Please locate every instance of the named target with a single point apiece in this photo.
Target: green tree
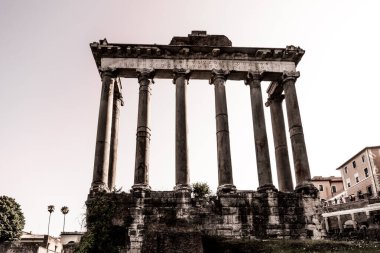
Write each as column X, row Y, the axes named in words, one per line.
column 12, row 219
column 201, row 190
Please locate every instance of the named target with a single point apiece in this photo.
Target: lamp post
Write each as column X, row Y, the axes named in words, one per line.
column 64, row 210
column 50, row 210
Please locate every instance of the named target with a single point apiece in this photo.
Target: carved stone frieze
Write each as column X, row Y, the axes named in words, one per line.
column 197, row 46
column 196, row 52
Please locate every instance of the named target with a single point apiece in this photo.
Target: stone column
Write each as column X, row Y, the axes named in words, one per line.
column 340, row 225
column 103, row 137
column 143, row 131
column 284, row 174
column 225, row 179
column 261, row 141
column 117, row 102
column 301, row 163
column 354, row 223
column 182, row 181
column 327, row 224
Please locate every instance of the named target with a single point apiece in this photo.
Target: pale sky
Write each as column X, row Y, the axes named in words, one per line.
column 50, row 91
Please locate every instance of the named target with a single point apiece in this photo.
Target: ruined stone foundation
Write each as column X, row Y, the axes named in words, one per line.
column 173, row 221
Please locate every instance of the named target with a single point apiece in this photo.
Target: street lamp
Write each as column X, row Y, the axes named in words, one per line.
column 50, row 210
column 64, row 210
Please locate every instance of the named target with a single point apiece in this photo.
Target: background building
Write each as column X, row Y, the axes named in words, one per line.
column 361, row 173
column 328, row 187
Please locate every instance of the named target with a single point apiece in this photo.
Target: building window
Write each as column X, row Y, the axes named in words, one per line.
column 333, row 189
column 348, row 182
column 354, row 164
column 356, row 175
column 366, row 172
column 363, row 158
column 369, row 190
column 321, row 188
column 345, row 169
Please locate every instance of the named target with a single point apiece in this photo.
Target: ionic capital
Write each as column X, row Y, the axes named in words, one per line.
column 180, row 73
column 112, row 73
column 145, row 74
column 290, row 75
column 218, row 74
column 254, row 78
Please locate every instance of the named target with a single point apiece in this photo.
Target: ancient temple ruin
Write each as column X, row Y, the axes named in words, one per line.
column 289, row 212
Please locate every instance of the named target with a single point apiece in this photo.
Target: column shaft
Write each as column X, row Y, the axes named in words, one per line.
column 261, row 141
column 327, row 227
column 181, row 157
column 301, row 163
column 340, row 225
column 143, row 132
column 284, row 174
column 117, row 102
column 103, row 137
column 222, row 133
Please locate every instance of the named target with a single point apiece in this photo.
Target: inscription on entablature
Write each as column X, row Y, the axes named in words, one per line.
column 197, row 64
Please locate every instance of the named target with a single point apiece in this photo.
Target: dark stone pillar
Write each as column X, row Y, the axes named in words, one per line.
column 261, row 141
column 117, row 102
column 284, row 174
column 181, row 163
column 301, row 163
column 222, row 132
column 143, row 132
column 103, row 137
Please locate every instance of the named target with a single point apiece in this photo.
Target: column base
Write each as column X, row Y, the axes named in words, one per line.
column 267, row 187
column 306, row 188
column 183, row 187
column 226, row 188
column 98, row 188
column 140, row 189
column 183, row 195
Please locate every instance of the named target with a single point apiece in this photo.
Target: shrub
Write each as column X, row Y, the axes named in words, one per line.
column 201, row 190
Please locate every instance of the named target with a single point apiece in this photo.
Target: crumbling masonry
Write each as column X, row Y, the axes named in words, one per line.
column 154, row 216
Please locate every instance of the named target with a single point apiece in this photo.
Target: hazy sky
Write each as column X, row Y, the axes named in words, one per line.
column 50, row 91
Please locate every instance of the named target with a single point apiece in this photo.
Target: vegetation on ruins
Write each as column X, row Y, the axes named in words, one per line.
column 12, row 219
column 201, row 189
column 102, row 234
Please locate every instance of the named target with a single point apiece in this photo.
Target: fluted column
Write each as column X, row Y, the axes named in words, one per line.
column 284, row 174
column 260, row 133
column 117, row 102
column 143, row 131
column 182, row 181
column 301, row 163
column 222, row 132
column 103, row 137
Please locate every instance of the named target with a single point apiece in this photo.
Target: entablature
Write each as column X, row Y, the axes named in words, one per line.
column 199, row 59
